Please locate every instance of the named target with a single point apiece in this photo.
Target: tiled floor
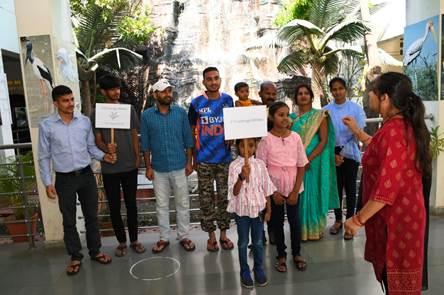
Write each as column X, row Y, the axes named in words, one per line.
column 335, row 267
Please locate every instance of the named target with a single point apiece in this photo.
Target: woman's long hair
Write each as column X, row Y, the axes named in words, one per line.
column 399, row 89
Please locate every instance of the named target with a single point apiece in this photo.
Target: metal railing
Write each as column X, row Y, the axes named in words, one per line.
column 25, row 197
column 19, row 204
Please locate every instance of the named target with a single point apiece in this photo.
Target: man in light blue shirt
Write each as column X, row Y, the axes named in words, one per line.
column 348, row 153
column 66, row 139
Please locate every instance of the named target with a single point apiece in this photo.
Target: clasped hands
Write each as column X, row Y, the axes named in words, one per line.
column 111, row 155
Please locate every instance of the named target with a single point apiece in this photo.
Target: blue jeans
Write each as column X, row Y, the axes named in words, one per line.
column 244, row 224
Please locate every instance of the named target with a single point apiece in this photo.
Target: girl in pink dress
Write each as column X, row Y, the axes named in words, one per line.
column 284, row 154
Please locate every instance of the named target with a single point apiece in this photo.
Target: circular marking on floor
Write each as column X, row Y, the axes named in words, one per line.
column 154, row 268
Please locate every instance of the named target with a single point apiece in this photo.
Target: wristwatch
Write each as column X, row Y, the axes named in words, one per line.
column 241, row 177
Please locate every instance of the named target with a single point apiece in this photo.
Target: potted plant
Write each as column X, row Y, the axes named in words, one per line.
column 17, row 187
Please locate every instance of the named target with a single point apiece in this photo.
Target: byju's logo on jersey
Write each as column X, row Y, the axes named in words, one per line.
column 211, row 120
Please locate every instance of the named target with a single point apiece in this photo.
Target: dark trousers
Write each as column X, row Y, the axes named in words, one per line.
column 346, row 175
column 112, row 183
column 245, row 225
column 277, row 226
column 68, row 187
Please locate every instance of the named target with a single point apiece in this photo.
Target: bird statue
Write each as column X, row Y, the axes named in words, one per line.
column 40, row 71
column 415, row 48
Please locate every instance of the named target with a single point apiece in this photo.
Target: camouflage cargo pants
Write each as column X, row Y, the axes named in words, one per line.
column 213, row 207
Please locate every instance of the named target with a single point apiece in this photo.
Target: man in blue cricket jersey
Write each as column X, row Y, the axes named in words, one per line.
column 212, row 157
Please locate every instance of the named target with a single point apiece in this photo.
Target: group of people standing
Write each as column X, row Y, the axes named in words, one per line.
column 300, row 168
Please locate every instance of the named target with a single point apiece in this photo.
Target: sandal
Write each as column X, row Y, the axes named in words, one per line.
column 160, row 246
column 335, row 228
column 300, row 263
column 73, row 268
column 348, row 236
column 102, row 258
column 226, row 244
column 137, row 247
column 188, row 245
column 212, row 246
column 281, row 266
column 121, row 250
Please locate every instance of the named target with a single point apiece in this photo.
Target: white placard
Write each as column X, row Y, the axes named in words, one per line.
column 245, row 122
column 113, row 115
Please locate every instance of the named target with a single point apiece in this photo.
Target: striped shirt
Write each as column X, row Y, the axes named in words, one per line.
column 251, row 199
column 166, row 136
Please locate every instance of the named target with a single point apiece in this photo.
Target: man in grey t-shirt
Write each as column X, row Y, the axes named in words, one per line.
column 123, row 172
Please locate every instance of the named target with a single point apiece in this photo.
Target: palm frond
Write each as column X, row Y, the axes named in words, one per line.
column 331, row 64
column 324, row 13
column 297, row 28
column 96, row 29
column 269, row 40
column 294, row 62
column 346, row 52
column 346, row 31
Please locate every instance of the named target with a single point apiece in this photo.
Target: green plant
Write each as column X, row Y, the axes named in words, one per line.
column 11, row 182
column 436, row 142
column 316, row 37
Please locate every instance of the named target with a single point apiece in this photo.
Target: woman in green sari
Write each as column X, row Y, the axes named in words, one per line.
column 320, row 192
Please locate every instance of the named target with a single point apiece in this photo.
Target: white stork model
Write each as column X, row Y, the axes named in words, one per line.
column 40, row 71
column 415, row 48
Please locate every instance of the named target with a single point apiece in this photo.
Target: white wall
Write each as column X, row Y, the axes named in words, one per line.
column 418, row 10
column 8, row 28
column 46, row 17
column 8, row 41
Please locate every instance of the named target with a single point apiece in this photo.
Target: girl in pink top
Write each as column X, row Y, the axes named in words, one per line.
column 248, row 189
column 284, row 154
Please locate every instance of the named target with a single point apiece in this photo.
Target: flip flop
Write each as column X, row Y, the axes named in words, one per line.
column 73, row 269
column 281, row 266
column 138, row 247
column 300, row 263
column 348, row 236
column 212, row 246
column 121, row 250
column 102, row 258
column 226, row 244
column 160, row 246
column 334, row 229
column 188, row 245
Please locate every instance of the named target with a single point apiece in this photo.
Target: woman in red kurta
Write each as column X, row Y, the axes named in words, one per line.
column 396, row 159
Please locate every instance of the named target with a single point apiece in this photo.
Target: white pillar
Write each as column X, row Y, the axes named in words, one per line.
column 47, row 25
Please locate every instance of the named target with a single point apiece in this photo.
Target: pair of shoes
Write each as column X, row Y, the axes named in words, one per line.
column 260, row 278
column 246, row 280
